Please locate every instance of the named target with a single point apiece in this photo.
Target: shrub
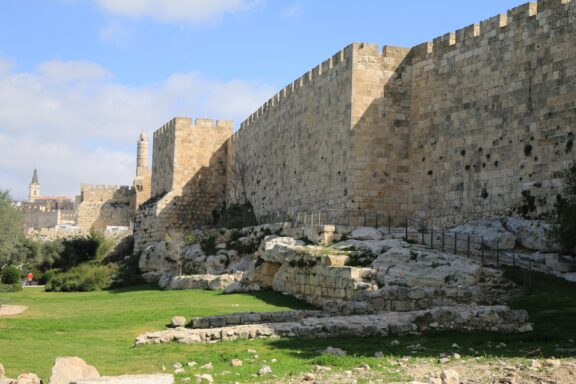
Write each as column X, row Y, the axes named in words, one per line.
column 76, row 251
column 8, row 288
column 237, row 216
column 46, row 277
column 361, row 258
column 104, row 245
column 208, row 245
column 83, row 278
column 11, row 275
column 128, row 273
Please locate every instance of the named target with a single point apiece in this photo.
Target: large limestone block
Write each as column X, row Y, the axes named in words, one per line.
column 130, row 379
column 366, row 233
column 276, row 249
column 571, row 277
column 28, row 378
column 375, row 246
column 69, row 369
column 557, row 263
column 533, row 234
column 491, row 230
column 405, row 267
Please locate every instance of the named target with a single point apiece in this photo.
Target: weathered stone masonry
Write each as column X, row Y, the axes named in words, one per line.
column 100, row 206
column 478, row 120
column 188, row 178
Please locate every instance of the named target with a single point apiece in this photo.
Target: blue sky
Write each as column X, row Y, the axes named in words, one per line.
column 80, row 78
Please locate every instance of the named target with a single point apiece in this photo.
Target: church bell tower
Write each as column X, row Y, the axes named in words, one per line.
column 34, row 188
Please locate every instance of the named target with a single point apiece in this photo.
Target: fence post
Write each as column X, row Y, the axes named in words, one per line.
column 514, row 256
column 468, row 246
column 431, row 235
column 304, row 218
column 482, row 248
column 422, row 237
column 443, row 240
column 406, row 228
column 455, row 243
column 389, row 225
column 376, row 219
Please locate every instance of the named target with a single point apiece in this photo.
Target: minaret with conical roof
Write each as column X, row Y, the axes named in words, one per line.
column 34, row 188
column 142, row 181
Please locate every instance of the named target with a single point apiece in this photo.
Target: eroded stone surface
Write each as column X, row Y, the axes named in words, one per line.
column 461, row 317
column 69, row 369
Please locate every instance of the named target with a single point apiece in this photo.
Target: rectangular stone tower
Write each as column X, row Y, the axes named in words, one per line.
column 188, row 178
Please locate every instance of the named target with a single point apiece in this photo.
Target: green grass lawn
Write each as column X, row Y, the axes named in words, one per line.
column 100, row 327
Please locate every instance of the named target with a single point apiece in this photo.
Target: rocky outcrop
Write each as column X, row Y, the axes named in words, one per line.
column 533, row 234
column 418, row 267
column 210, row 252
column 70, row 369
column 469, row 318
column 210, row 282
column 492, row 231
column 366, row 233
column 159, row 260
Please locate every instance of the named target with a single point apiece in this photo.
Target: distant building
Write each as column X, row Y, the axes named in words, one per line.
column 109, row 208
column 46, row 211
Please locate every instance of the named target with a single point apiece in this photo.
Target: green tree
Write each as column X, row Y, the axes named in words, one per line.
column 565, row 230
column 50, row 252
column 11, row 234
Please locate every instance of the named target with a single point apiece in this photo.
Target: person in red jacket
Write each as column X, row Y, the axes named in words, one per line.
column 29, row 278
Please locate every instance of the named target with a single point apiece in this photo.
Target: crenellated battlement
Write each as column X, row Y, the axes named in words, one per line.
column 102, row 187
column 186, row 122
column 476, row 35
column 308, row 78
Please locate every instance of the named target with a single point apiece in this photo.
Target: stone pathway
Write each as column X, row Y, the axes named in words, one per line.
column 11, row 310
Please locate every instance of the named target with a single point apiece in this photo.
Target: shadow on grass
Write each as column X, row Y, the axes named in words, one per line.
column 135, row 288
column 276, row 298
column 550, row 302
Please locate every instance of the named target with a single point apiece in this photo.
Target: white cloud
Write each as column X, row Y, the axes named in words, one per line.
column 190, row 11
column 76, row 124
column 72, row 70
column 293, row 10
column 5, row 66
column 115, row 32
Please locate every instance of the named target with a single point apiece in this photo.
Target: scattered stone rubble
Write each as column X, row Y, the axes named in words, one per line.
column 459, row 317
column 228, row 252
column 74, row 370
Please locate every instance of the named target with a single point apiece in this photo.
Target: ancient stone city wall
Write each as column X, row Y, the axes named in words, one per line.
column 493, row 113
column 296, row 147
column 476, row 121
column 188, row 178
column 103, row 205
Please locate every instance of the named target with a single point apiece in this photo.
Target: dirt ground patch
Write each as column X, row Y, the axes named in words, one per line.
column 11, row 310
